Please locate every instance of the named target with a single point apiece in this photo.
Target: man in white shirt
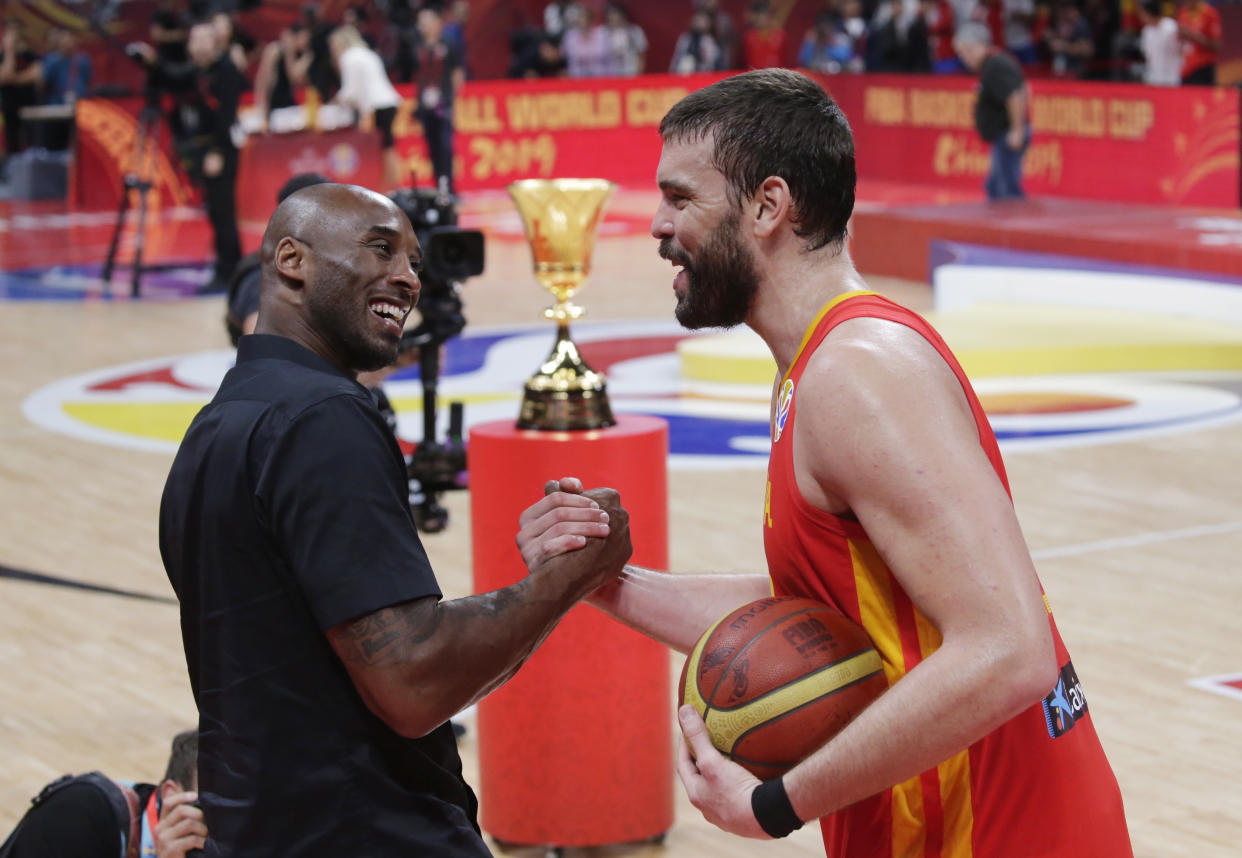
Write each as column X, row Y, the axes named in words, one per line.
column 1162, row 49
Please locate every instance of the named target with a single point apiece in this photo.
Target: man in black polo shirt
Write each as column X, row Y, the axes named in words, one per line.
column 1001, row 109
column 323, row 661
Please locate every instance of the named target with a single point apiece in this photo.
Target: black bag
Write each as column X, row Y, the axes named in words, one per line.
column 111, row 791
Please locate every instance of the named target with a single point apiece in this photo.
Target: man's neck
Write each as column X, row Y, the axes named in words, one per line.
column 792, row 294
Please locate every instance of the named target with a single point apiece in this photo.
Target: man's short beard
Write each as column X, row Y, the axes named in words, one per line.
column 329, row 315
column 721, row 280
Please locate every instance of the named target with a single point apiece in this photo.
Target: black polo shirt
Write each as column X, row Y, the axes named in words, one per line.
column 1000, row 76
column 286, row 512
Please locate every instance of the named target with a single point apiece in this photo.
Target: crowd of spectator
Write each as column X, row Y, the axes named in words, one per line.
column 1164, row 42
column 1167, row 42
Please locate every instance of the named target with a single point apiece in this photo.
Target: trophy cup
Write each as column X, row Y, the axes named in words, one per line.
column 561, row 216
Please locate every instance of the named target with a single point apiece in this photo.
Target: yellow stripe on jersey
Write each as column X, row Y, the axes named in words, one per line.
column 873, row 582
column 810, row 331
column 955, row 802
column 909, row 820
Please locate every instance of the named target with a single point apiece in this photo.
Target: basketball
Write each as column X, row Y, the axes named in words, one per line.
column 777, row 678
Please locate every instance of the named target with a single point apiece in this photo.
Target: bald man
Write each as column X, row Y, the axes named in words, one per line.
column 324, row 663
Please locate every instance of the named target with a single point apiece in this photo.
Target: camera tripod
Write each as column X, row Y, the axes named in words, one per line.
column 138, row 177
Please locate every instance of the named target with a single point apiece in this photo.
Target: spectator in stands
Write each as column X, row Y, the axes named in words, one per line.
column 365, row 88
column 696, row 50
column 585, row 46
column 723, row 32
column 626, row 54
column 1019, row 17
column 561, row 16
column 322, row 75
column 763, row 43
column 439, row 72
column 898, row 41
column 170, row 28
column 1199, row 27
column 1001, row 108
column 1161, row 46
column 1069, row 41
column 66, row 70
column 240, row 44
column 941, row 25
column 282, row 69
column 93, row 816
column 547, row 61
column 455, row 28
column 21, row 75
column 827, row 48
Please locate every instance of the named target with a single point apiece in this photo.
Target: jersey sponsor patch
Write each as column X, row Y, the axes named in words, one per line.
column 1066, row 704
column 784, row 402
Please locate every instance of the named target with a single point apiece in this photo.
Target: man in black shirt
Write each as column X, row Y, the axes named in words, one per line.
column 204, row 127
column 21, row 74
column 323, row 661
column 1001, row 109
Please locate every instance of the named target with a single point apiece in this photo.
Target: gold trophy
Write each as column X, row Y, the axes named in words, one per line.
column 561, row 216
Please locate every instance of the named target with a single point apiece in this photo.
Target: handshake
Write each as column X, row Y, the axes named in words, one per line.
column 580, row 536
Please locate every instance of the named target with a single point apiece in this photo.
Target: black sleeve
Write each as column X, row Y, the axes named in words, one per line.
column 337, row 503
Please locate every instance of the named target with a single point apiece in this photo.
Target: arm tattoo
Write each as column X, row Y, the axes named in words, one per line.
column 381, row 636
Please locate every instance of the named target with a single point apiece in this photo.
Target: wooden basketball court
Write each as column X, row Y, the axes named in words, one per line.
column 1137, row 542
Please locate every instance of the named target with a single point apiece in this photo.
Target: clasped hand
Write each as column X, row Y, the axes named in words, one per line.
column 591, row 524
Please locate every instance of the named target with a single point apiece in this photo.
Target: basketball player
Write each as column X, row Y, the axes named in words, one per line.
column 324, row 664
column 886, row 499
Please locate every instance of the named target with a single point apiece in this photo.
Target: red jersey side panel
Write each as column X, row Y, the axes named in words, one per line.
column 1039, row 785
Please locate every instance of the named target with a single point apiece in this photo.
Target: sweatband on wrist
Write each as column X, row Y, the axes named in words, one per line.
column 773, row 810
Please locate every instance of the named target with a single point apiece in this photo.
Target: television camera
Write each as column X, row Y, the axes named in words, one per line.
column 450, row 256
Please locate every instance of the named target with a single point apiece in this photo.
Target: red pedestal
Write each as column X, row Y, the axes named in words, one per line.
column 577, row 749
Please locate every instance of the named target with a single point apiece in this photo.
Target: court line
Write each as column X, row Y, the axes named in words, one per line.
column 1139, row 539
column 40, row 578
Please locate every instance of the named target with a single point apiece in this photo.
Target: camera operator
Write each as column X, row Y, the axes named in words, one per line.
column 93, row 816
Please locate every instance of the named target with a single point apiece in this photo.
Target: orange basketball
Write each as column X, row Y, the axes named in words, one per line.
column 777, row 678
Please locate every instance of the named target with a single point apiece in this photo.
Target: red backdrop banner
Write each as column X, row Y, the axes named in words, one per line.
column 1118, row 142
column 1098, row 141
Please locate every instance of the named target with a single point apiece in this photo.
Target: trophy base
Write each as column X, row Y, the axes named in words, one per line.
column 557, row 410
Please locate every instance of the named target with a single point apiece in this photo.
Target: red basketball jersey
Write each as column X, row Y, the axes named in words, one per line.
column 1039, row 785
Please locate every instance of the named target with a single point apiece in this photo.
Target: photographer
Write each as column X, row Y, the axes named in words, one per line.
column 92, row 816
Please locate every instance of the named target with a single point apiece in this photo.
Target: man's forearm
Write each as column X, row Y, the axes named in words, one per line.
column 1015, row 104
column 419, row 663
column 676, row 609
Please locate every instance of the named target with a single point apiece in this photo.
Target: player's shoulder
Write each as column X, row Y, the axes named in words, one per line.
column 869, row 365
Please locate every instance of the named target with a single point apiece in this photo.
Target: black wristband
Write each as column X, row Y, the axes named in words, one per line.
column 773, row 810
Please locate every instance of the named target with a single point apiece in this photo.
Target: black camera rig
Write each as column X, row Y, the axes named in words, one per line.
column 450, row 256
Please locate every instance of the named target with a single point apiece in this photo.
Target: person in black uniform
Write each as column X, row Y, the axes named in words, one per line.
column 21, row 74
column 439, row 72
column 323, row 661
column 203, row 125
column 93, row 816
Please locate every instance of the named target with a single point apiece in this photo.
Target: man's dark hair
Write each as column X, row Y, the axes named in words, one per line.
column 776, row 122
column 183, row 761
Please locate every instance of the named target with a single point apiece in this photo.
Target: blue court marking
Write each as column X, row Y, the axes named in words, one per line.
column 83, row 282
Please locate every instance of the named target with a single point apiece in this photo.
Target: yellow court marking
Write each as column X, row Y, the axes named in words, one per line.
column 1009, row 339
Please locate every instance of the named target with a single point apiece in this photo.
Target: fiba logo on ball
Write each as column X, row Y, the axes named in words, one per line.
column 344, row 158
